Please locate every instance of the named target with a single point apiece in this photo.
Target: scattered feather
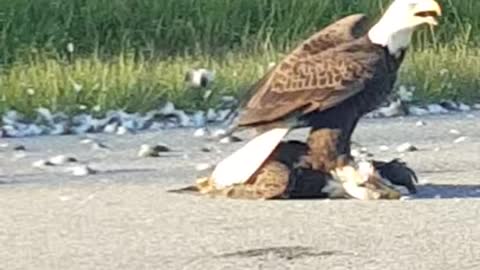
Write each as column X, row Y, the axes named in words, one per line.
column 61, row 160
column 384, row 148
column 152, row 151
column 460, row 139
column 454, row 131
column 40, row 164
column 199, row 77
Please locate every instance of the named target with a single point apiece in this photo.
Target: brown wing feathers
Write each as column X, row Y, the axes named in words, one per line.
column 308, row 76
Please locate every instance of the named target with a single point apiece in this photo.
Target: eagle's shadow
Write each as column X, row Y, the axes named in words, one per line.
column 446, row 191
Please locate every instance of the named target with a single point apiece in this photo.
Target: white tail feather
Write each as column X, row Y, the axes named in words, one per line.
column 243, row 163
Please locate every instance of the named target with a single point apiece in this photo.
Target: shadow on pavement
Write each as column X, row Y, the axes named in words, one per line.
column 433, row 191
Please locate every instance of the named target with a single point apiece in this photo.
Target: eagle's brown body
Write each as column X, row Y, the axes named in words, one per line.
column 329, row 81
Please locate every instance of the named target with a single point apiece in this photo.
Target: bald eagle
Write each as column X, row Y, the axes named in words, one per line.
column 328, row 82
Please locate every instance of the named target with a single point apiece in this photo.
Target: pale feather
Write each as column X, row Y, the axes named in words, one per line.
column 243, row 163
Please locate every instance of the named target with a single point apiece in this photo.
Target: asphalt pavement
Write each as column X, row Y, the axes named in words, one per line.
column 124, row 217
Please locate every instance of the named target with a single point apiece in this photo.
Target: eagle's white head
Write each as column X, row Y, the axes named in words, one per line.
column 398, row 23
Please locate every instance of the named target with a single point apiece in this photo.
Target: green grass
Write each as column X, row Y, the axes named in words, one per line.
column 133, row 54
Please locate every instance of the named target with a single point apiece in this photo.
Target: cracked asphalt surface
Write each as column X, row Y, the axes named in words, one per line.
column 123, row 217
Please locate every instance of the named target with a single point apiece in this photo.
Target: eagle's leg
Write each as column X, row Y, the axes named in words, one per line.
column 326, row 150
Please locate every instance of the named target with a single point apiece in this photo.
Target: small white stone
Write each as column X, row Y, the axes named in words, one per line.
column 384, row 148
column 61, row 160
column 218, row 133
column 152, row 151
column 211, row 115
column 4, row 145
column 33, row 130
column 157, row 126
column 86, row 141
column 454, row 131
column 417, row 111
column 464, row 107
column 110, row 128
column 406, row 147
column 476, row 106
column 436, row 109
column 41, row 164
column 44, row 114
column 65, row 198
column 81, row 170
column 355, row 153
column 203, row 167
column 146, row 151
column 225, row 140
column 460, row 139
column 423, row 181
column 420, row 124
column 222, row 115
column 201, row 132
column 11, row 118
column 58, row 129
column 122, row 130
column 183, row 119
column 230, row 139
column 198, row 119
